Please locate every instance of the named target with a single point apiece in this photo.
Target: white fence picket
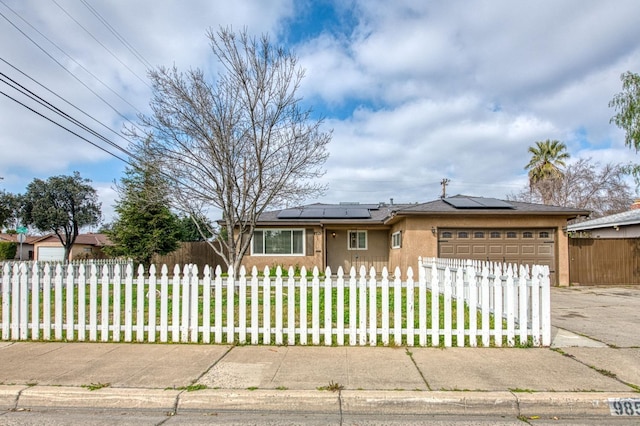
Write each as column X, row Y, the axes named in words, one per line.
column 255, row 337
column 93, row 304
column 6, row 285
column 193, row 306
column 117, row 297
column 266, row 308
column 206, row 305
column 373, row 311
column 57, row 305
column 303, row 303
column 291, row 309
column 332, row 310
column 362, row 303
column 164, row 304
column 242, row 307
column 151, row 296
column 410, row 309
column 106, row 305
column 279, row 323
column 328, row 308
column 384, row 326
column 340, row 307
column 35, row 304
column 24, row 302
column 353, row 312
column 217, row 306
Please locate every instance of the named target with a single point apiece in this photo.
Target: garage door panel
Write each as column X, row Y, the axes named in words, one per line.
column 511, row 249
column 527, row 249
column 463, row 249
column 520, row 246
column 545, row 249
column 496, row 250
column 480, row 250
column 447, row 250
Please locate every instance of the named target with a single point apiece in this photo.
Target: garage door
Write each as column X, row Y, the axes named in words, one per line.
column 51, row 254
column 522, row 246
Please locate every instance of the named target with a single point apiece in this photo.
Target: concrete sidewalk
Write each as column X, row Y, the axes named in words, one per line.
column 499, row 381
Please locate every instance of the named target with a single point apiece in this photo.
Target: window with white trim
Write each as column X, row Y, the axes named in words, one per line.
column 357, row 240
column 279, row 242
column 396, row 240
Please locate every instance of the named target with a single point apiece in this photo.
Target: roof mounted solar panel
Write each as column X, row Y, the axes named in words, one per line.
column 326, row 212
column 494, row 203
column 312, row 214
column 358, row 213
column 462, row 203
column 477, row 203
column 289, row 214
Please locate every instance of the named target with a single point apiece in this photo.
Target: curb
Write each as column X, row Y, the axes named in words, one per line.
column 346, row 402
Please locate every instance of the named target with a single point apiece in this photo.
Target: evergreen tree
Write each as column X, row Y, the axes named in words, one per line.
column 145, row 225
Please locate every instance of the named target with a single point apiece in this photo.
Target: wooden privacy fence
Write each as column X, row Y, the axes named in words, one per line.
column 102, row 304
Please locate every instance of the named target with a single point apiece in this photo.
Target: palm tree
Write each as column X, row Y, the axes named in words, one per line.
column 547, row 158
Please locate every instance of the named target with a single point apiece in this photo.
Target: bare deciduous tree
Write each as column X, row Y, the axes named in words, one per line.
column 241, row 144
column 587, row 185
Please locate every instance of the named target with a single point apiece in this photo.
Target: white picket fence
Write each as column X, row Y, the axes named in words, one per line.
column 466, row 308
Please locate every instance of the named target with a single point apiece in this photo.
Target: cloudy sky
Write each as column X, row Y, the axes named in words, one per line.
column 414, row 93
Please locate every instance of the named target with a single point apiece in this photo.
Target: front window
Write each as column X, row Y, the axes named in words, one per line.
column 357, row 240
column 278, row 242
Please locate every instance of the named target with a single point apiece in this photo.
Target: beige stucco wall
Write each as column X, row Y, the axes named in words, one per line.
column 419, row 240
column 338, row 254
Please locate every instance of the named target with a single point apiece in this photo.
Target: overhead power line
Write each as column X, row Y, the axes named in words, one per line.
column 63, row 127
column 39, row 100
column 117, row 35
column 65, row 101
column 71, row 73
column 52, row 108
column 101, row 44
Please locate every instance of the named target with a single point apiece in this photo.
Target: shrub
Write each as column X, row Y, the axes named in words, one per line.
column 8, row 250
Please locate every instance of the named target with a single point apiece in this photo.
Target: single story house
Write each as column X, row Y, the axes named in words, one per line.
column 395, row 235
column 606, row 250
column 87, row 246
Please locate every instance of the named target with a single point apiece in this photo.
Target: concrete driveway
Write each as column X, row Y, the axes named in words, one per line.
column 610, row 315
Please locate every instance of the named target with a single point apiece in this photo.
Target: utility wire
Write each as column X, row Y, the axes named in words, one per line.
column 26, row 92
column 71, row 73
column 34, row 97
column 101, row 44
column 65, row 101
column 116, row 34
column 63, row 127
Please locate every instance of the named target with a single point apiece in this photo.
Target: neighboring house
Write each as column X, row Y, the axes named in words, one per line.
column 27, row 245
column 86, row 246
column 395, row 235
column 620, row 225
column 606, row 250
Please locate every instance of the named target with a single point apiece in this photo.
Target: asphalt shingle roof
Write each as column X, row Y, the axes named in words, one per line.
column 380, row 213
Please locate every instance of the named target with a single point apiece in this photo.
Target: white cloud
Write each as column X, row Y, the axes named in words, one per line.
column 415, row 91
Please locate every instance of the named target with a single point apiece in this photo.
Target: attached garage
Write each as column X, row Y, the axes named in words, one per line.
column 520, row 245
column 478, row 228
column 50, row 254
